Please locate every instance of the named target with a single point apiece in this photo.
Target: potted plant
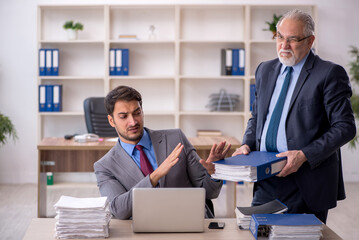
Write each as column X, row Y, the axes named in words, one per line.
column 272, row 26
column 7, row 129
column 72, row 29
column 354, row 77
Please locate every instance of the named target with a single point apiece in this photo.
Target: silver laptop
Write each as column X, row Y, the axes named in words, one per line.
column 168, row 209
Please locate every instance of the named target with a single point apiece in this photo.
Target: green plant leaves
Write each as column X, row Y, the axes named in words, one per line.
column 6, row 129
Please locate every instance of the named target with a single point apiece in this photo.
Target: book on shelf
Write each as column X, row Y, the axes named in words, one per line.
column 127, row 36
column 208, row 132
column 49, row 61
column 286, row 226
column 50, row 98
column 238, row 61
column 226, row 61
column 253, row 167
column 244, row 214
column 232, row 61
column 119, row 61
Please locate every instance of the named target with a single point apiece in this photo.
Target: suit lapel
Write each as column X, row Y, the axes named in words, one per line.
column 303, row 76
column 159, row 145
column 124, row 161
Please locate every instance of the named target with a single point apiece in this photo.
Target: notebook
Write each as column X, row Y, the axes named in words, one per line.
column 168, row 209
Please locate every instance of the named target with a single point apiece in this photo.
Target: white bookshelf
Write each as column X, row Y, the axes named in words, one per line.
column 175, row 73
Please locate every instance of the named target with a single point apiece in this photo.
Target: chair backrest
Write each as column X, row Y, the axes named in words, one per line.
column 96, row 117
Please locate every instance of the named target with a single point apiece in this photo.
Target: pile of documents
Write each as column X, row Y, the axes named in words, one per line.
column 244, row 214
column 82, row 217
column 253, row 167
column 286, row 226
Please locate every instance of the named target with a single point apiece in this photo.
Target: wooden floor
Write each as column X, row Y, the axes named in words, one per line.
column 18, row 207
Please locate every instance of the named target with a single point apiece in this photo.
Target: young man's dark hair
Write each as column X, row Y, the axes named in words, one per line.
column 123, row 93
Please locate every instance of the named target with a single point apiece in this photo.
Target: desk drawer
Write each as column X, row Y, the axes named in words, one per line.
column 69, row 160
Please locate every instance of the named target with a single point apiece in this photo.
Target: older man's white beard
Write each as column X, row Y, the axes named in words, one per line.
column 287, row 61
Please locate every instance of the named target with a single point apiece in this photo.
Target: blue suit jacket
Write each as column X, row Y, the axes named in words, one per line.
column 320, row 120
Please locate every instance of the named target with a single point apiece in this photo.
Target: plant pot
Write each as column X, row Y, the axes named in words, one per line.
column 71, row 34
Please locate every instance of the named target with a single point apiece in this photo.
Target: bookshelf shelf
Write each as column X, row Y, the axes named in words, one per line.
column 176, row 71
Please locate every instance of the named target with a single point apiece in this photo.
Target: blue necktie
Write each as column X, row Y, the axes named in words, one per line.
column 271, row 138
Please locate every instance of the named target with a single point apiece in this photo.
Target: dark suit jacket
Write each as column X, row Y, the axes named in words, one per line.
column 117, row 174
column 320, row 120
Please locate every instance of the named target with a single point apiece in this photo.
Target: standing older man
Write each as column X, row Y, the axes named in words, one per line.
column 302, row 109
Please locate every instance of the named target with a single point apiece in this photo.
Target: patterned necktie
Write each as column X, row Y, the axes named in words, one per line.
column 271, row 138
column 145, row 164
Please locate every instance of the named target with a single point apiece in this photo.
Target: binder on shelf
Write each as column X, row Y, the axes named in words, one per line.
column 125, row 62
column 42, row 98
column 48, row 63
column 289, row 226
column 112, row 61
column 57, row 97
column 241, row 61
column 55, row 62
column 49, row 98
column 42, row 62
column 235, row 61
column 253, row 167
column 252, row 96
column 118, row 62
column 226, row 61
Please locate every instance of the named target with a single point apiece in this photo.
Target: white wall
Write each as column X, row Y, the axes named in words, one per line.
column 337, row 25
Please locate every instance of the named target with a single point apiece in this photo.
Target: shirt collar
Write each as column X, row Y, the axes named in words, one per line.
column 297, row 67
column 145, row 142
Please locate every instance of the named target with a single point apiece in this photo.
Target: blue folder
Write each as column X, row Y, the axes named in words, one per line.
column 266, row 163
column 57, row 98
column 259, row 222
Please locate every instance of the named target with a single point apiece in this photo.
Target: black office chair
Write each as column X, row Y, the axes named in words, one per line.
column 96, row 117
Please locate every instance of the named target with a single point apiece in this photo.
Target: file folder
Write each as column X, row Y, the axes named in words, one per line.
column 55, row 62
column 42, row 66
column 112, row 61
column 241, row 61
column 253, row 167
column 235, row 61
column 125, row 62
column 48, row 60
column 49, row 98
column 226, row 61
column 57, row 98
column 42, row 98
column 261, row 225
column 118, row 62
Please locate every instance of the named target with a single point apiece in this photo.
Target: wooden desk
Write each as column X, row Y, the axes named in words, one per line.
column 60, row 155
column 44, row 229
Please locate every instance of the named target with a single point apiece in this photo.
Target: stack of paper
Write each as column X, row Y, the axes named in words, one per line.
column 286, row 226
column 244, row 214
column 253, row 167
column 82, row 217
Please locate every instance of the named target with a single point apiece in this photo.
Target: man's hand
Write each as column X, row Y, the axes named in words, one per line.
column 295, row 159
column 244, row 149
column 166, row 166
column 216, row 153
